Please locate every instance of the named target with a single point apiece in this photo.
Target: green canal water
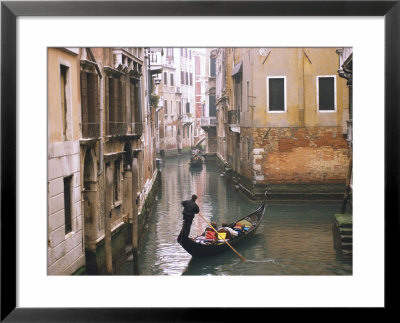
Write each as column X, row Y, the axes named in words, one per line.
column 294, row 238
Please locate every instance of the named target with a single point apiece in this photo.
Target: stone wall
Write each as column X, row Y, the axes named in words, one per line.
column 147, row 208
column 65, row 251
column 318, row 155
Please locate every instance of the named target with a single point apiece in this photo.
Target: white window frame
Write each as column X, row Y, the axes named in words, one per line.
column 284, row 96
column 334, row 91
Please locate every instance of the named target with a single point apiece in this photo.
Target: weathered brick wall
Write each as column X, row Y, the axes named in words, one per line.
column 300, row 155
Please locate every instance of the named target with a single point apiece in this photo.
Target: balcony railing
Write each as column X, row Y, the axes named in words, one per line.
column 186, row 119
column 234, row 117
column 117, row 128
column 208, row 121
column 124, row 128
column 136, row 128
column 90, row 130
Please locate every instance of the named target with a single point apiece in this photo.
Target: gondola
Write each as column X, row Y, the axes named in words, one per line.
column 197, row 247
column 196, row 161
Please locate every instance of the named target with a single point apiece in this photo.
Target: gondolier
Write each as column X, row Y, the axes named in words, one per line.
column 190, row 208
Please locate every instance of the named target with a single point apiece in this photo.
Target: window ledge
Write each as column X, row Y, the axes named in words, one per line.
column 69, row 234
column 117, row 204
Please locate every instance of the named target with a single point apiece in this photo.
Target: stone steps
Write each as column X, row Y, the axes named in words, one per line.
column 343, row 232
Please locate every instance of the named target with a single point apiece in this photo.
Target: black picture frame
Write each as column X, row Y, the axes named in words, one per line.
column 10, row 10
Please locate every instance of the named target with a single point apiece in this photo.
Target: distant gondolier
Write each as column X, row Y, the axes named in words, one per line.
column 190, row 208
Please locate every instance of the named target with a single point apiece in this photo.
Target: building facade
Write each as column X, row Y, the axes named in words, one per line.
column 114, row 151
column 285, row 113
column 209, row 113
column 176, row 91
column 66, row 249
column 200, row 79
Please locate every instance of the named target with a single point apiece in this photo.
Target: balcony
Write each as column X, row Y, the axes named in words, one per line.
column 90, row 130
column 115, row 128
column 234, row 117
column 124, row 128
column 136, row 128
column 208, row 121
column 187, row 118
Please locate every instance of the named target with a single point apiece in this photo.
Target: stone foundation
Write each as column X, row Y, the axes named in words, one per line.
column 318, row 155
column 96, row 259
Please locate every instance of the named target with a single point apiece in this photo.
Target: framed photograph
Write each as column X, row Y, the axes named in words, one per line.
column 29, row 28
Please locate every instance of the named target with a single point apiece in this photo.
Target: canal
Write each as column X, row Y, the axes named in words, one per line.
column 295, row 237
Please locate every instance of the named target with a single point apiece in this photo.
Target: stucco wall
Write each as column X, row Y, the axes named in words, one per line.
column 57, row 57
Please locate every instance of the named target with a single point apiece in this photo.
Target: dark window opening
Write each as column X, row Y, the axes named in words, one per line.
column 212, row 66
column 68, row 204
column 212, row 111
column 276, row 94
column 238, row 91
column 326, row 93
column 90, row 105
column 63, row 84
column 116, row 180
column 116, row 107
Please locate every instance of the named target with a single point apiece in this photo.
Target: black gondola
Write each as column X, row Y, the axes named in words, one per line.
column 196, row 161
column 197, row 247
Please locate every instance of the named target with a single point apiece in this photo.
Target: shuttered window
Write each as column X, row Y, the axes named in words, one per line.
column 212, row 66
column 276, row 94
column 326, row 93
column 212, row 107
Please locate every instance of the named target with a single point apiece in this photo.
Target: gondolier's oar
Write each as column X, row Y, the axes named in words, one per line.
column 234, row 250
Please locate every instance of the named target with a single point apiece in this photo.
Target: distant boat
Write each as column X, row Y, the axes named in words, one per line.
column 200, row 247
column 196, row 160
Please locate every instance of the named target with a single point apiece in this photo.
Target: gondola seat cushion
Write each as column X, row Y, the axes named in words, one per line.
column 245, row 223
column 211, row 235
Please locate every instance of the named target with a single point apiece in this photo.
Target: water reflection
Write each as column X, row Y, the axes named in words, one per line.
column 294, row 238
